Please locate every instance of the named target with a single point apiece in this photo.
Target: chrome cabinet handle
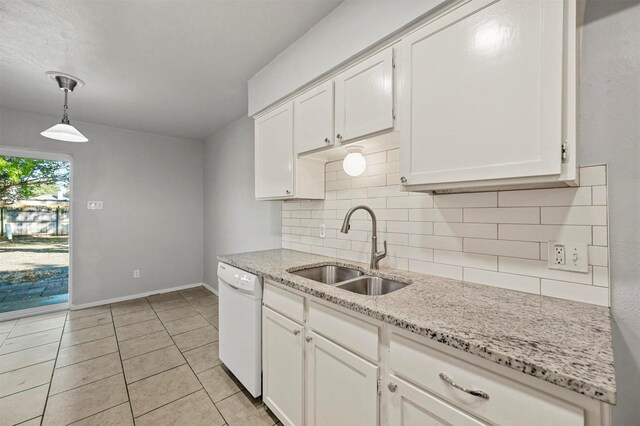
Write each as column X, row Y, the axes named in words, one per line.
column 392, row 386
column 474, row 392
column 327, row 140
column 308, row 339
column 296, row 332
column 287, row 191
column 338, row 136
column 403, row 179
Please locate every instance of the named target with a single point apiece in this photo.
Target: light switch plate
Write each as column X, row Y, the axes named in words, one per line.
column 568, row 256
column 94, row 205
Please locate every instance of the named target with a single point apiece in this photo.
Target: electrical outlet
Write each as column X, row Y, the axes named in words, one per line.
column 568, row 256
column 322, row 229
column 136, row 273
column 559, row 257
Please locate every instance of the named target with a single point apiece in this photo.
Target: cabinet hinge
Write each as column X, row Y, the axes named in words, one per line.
column 565, row 152
column 379, row 386
column 393, row 59
column 393, row 113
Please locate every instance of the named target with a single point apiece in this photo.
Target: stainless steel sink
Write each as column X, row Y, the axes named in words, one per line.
column 328, row 274
column 372, row 286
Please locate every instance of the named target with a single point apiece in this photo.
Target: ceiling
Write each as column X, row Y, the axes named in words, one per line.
column 172, row 67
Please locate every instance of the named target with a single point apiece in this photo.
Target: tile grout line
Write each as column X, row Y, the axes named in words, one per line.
column 46, row 400
column 124, row 377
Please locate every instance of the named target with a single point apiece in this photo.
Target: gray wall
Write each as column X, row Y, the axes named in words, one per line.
column 610, row 133
column 145, row 180
column 233, row 220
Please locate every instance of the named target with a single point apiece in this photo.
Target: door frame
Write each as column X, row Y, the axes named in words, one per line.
column 54, row 156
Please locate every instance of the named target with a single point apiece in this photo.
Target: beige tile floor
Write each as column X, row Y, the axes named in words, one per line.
column 150, row 361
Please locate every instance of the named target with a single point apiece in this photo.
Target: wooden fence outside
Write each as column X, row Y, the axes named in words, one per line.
column 35, row 220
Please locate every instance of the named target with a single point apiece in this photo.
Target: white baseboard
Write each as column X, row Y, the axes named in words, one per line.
column 23, row 313
column 211, row 289
column 136, row 296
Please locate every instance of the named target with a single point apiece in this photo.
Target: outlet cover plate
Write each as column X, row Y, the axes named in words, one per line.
column 576, row 257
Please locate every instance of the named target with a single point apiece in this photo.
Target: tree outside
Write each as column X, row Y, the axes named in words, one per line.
column 24, row 178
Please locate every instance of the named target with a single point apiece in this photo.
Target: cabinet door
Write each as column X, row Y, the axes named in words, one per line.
column 313, row 118
column 283, row 367
column 342, row 388
column 364, row 97
column 274, row 153
column 411, row 406
column 482, row 93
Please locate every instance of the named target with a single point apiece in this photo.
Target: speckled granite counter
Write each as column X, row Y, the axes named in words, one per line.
column 562, row 342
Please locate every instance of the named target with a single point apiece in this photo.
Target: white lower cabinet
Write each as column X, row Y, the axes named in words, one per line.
column 342, row 388
column 411, row 406
column 315, row 375
column 283, row 367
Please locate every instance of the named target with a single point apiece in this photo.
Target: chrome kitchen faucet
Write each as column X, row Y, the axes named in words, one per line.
column 375, row 255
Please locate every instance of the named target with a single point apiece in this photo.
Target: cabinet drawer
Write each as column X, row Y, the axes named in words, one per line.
column 509, row 402
column 282, row 301
column 352, row 333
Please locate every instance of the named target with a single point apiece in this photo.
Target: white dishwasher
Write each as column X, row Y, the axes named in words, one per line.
column 240, row 325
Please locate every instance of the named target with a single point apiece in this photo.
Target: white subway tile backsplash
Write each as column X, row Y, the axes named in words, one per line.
column 598, row 256
column 421, row 202
column 337, row 184
column 545, row 197
column 436, row 215
column 496, row 238
column 599, row 195
column 415, row 253
column 411, row 227
column 592, row 215
column 367, row 181
column 502, row 280
column 525, row 249
column 538, row 268
column 601, row 276
column 477, row 230
column 386, row 191
column 474, row 199
column 593, row 175
column 480, row 261
column 600, row 236
column 503, row 215
column 437, row 242
column 577, row 292
column 376, row 158
column 545, row 233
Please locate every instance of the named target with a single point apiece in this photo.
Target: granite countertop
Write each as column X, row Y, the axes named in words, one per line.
column 562, row 342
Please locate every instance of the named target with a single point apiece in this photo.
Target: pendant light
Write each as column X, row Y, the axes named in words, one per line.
column 64, row 131
column 354, row 164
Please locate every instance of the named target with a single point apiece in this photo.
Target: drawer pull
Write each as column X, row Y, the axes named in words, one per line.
column 474, row 392
column 296, row 332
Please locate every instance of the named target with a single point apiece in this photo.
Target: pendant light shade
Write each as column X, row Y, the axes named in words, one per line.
column 354, row 164
column 64, row 131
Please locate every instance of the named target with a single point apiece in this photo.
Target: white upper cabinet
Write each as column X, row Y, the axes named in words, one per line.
column 364, row 97
column 274, row 153
column 279, row 174
column 313, row 119
column 486, row 95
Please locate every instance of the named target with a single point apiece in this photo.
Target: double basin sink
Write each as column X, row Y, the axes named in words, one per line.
column 350, row 279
